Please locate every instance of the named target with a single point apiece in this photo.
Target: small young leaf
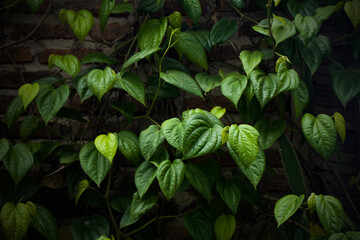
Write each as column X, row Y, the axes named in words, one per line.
column 300, row 97
column 28, row 92
column 107, row 145
column 233, row 86
column 128, row 144
column 286, row 206
column 139, row 205
column 340, row 126
column 170, row 176
column 175, row 19
column 218, row 111
column 193, row 9
column 287, row 79
column 133, row 85
column 222, row 31
column 68, row 63
column 90, row 228
column 15, row 220
column 150, row 139
column 152, row 33
column 14, row 111
column 250, row 60
column 230, row 193
column 144, row 176
column 224, row 227
column 311, row 202
column 282, row 29
column 352, row 10
column 101, row 81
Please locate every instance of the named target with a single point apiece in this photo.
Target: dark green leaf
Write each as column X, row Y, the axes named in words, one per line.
column 170, row 176
column 265, row 87
column 138, row 56
column 269, row 131
column 14, row 111
column 68, row 63
column 4, row 147
column 347, row 236
column 34, row 5
column 80, row 84
column 230, row 193
column 120, row 202
column 28, row 127
column 222, row 31
column 199, row 225
column 346, row 84
column 126, row 220
column 15, row 220
column 212, row 171
column 45, row 223
column 104, row 12
column 198, row 180
column 340, row 125
column 224, row 227
column 282, row 29
column 233, row 86
column 173, row 130
column 287, row 79
column 139, row 206
column 239, row 4
column 122, row 7
column 101, row 81
column 80, row 22
column 207, row 82
column 69, row 113
column 126, row 109
column 144, row 176
column 307, row 26
column 98, row 57
column 192, row 8
column 352, row 10
column 203, row 36
column 304, row 7
column 133, row 85
column 250, row 60
column 150, row 6
column 323, row 13
column 90, row 228
column 300, row 97
column 150, row 139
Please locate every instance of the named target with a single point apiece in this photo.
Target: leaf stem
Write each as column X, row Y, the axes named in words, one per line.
column 109, row 207
column 245, row 16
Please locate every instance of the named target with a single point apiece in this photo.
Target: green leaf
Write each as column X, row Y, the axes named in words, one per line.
column 139, row 206
column 282, row 29
column 352, row 10
column 150, row 139
column 330, row 212
column 82, row 186
column 128, row 144
column 126, row 220
column 222, row 31
column 14, row 111
column 122, row 7
column 269, row 131
column 198, row 180
column 28, row 127
column 243, row 140
column 193, row 9
column 347, row 236
column 4, row 147
column 265, row 87
column 250, row 60
column 346, row 84
column 120, row 202
column 18, row 161
column 239, row 4
column 307, row 26
column 199, row 225
column 133, row 85
column 80, row 22
column 138, row 56
column 98, row 57
column 224, row 227
column 126, row 109
column 68, row 63
column 107, row 145
column 277, row 2
column 233, row 86
column 286, row 206
column 170, row 176
column 150, row 6
column 320, row 133
column 340, row 125
column 300, row 97
column 34, row 5
column 151, row 33
column 203, row 36
column 45, row 223
column 160, row 155
column 28, row 92
column 80, row 84
column 104, row 12
column 101, row 81
column 15, row 220
column 49, row 100
column 304, row 7
column 202, row 135
column 230, row 193
column 94, row 164
column 144, row 176
column 323, row 13
column 90, row 228
column 182, row 80
column 173, row 131
column 207, row 82
column 218, row 111
column 175, row 19
column 190, row 46
column 311, row 202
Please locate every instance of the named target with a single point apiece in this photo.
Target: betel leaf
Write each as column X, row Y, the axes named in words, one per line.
column 127, row 110
column 340, row 125
column 170, row 176
column 202, row 135
column 90, row 228
column 104, row 12
column 173, row 130
column 224, row 227
column 128, row 144
column 82, row 186
column 126, row 219
column 151, row 33
column 144, row 176
column 107, row 145
column 323, row 13
column 45, row 223
column 352, row 10
column 311, row 202
column 98, row 57
column 150, row 139
column 68, row 63
column 28, row 127
column 282, row 29
column 160, row 155
column 34, row 5
column 250, row 60
column 175, row 19
column 28, row 92
column 4, row 147
column 330, row 212
column 94, row 164
column 198, row 180
column 18, row 161
column 287, row 79
column 230, row 192
column 192, row 8
column 269, row 131
column 286, row 206
column 351, row 235
column 320, row 133
column 133, row 85
column 49, row 100
column 101, row 81
column 222, row 31
column 120, row 202
column 80, row 84
column 139, row 205
column 138, row 56
column 300, row 97
column 80, row 22
column 199, row 225
column 150, row 6
column 307, row 26
column 15, row 220
column 265, row 86
column 346, row 84
column 31, row 208
column 190, row 46
column 13, row 111
column 233, row 86
column 218, row 111
column 212, row 169
column 207, row 82
column 304, row 7
column 203, row 36
column 182, row 80
column 122, row 7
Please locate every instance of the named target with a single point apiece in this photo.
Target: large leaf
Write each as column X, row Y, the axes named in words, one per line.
column 28, row 127
column 140, row 205
column 352, row 10
column 49, row 100
column 222, row 31
column 224, row 227
column 182, row 80
column 151, row 33
column 199, row 225
column 340, row 125
column 286, row 206
column 198, row 180
column 90, row 228
column 144, row 176
column 104, row 12
column 307, row 26
column 126, row 219
column 207, row 82
column 269, row 131
column 28, row 92
column 128, row 144
column 34, row 5
column 13, row 111
column 45, row 223
column 323, row 13
column 150, row 6
column 101, row 81
column 304, row 7
column 230, row 193
column 138, row 56
column 98, row 57
column 170, row 176
column 320, row 132
column 233, row 86
column 133, row 85
column 15, row 220
column 107, row 145
column 4, row 147
column 18, row 161
column 173, row 130
column 80, row 22
column 330, row 212
column 265, row 87
column 287, row 79
column 300, row 97
column 68, row 63
column 282, row 29
column 150, row 139
column 192, row 8
column 94, row 164
column 250, row 60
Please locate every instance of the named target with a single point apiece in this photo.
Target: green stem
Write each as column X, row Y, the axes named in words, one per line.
column 152, row 120
column 109, row 207
column 9, row 6
column 268, row 8
column 246, row 17
column 345, row 36
column 336, row 62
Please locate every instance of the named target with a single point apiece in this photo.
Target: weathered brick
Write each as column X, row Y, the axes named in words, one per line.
column 223, row 53
column 5, row 101
column 112, row 31
column 79, row 53
column 13, row 80
column 225, row 6
column 22, row 7
column 90, row 5
column 19, row 55
column 47, row 30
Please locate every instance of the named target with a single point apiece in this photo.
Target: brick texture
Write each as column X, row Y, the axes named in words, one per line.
column 48, row 30
column 79, row 53
column 18, row 55
column 112, row 31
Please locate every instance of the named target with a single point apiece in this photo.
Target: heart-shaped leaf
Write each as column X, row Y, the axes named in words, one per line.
column 132, row 84
column 101, row 81
column 45, row 223
column 138, row 56
column 150, row 139
column 139, row 205
column 129, row 146
column 346, row 84
column 192, row 8
column 207, row 82
column 250, row 60
column 68, row 63
column 15, row 220
column 170, row 176
column 199, row 225
column 307, row 26
column 224, row 227
column 286, row 206
column 198, row 180
column 269, row 131
column 104, row 12
column 173, row 130
column 14, row 111
column 28, row 127
column 287, row 79
column 90, row 228
column 218, row 111
column 300, row 97
column 265, row 87
column 28, row 92
column 230, row 193
column 352, row 10
column 144, row 176
column 233, row 86
column 107, row 145
column 282, row 29
column 340, row 125
column 151, row 33
column 80, row 22
column 4, row 148
column 222, row 31
column 320, row 133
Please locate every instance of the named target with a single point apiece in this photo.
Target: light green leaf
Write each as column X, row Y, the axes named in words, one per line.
column 49, row 100
column 15, row 220
column 286, row 206
column 68, row 63
column 269, row 131
column 98, row 57
column 311, row 202
column 199, row 225
column 80, row 22
column 175, row 19
column 90, row 228
column 128, row 144
column 14, row 111
column 287, row 79
column 230, row 192
column 198, row 180
column 28, row 127
column 182, row 80
column 144, row 176
column 323, row 13
column 192, row 8
column 320, row 133
column 277, row 2
column 34, row 5
column 122, row 7
column 265, row 87
column 138, row 56
column 173, row 131
column 133, row 85
column 82, row 186
column 346, row 84
column 300, row 97
column 207, row 82
column 94, row 164
column 151, row 33
column 150, row 139
column 233, row 86
column 218, row 111
column 250, row 60
column 222, row 31
column 101, row 81
column 107, row 145
column 4, row 148
column 307, row 26
column 282, row 29
column 340, row 125
column 28, row 92
column 170, row 176
column 45, row 223
column 352, row 10
column 224, row 226
column 139, row 205
column 104, row 12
